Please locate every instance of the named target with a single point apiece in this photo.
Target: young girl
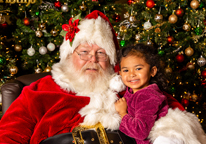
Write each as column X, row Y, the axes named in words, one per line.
column 143, row 102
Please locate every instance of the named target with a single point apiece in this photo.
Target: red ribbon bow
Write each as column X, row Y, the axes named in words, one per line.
column 71, row 28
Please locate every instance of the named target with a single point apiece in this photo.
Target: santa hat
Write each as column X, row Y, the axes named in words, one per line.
column 95, row 28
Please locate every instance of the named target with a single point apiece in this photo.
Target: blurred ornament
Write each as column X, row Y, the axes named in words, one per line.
column 42, row 50
column 190, row 66
column 157, row 30
column 194, row 97
column 54, row 32
column 201, row 61
column 198, row 30
column 150, row 3
column 2, row 19
column 122, row 43
column 204, row 22
column 203, row 83
column 2, row 60
column 179, row 12
column 126, row 15
column 116, row 17
column 186, row 26
column 4, row 25
column 147, row 25
column 47, row 69
column 170, row 39
column 180, row 58
column 51, row 46
column 82, row 7
column 26, row 21
column 57, row 4
column 189, row 51
column 123, row 28
column 203, row 74
column 95, row 0
column 65, row 8
column 158, row 18
column 149, row 42
column 38, row 70
column 137, row 37
column 129, row 2
column 13, row 70
column 161, row 51
column 132, row 19
column 17, row 47
column 42, row 26
column 173, row 18
column 38, row 33
column 194, row 4
column 31, row 51
column 37, row 13
column 168, row 70
column 185, row 102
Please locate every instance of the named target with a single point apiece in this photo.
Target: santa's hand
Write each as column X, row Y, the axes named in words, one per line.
column 121, row 107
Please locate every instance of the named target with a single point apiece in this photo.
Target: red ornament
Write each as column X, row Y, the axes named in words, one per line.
column 204, row 21
column 4, row 25
column 179, row 12
column 95, row 0
column 57, row 4
column 170, row 39
column 185, row 102
column 204, row 74
column 180, row 57
column 116, row 18
column 150, row 3
column 129, row 2
column 26, row 21
column 203, row 83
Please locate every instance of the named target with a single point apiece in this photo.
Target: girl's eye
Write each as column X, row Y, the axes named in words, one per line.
column 125, row 70
column 138, row 68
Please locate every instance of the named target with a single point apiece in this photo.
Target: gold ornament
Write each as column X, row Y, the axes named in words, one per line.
column 38, row 33
column 38, row 70
column 190, row 66
column 173, row 18
column 158, row 18
column 186, row 26
column 194, row 97
column 42, row 26
column 47, row 69
column 123, row 28
column 194, row 4
column 17, row 47
column 168, row 70
column 13, row 70
column 54, row 32
column 189, row 51
column 82, row 7
column 157, row 30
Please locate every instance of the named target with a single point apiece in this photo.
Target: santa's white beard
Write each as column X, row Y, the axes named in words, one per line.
column 87, row 83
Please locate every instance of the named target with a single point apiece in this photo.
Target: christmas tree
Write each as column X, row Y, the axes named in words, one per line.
column 177, row 29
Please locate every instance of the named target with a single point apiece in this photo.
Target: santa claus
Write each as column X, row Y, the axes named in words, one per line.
column 80, row 94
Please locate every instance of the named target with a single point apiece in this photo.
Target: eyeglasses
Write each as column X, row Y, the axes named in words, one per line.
column 99, row 56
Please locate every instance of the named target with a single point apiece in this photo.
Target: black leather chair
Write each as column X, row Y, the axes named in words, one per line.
column 11, row 89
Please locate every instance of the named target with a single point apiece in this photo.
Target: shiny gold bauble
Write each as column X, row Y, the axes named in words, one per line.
column 13, row 70
column 38, row 33
column 194, row 4
column 173, row 19
column 83, row 7
column 168, row 70
column 189, row 51
column 186, row 26
column 42, row 26
column 47, row 69
column 54, row 32
column 17, row 47
column 157, row 30
column 38, row 70
column 158, row 18
column 122, row 28
column 194, row 97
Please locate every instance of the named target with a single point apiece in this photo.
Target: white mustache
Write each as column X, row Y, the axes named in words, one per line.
column 91, row 66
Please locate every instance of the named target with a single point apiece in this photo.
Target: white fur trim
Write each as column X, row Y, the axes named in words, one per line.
column 93, row 31
column 180, row 125
column 166, row 140
column 116, row 83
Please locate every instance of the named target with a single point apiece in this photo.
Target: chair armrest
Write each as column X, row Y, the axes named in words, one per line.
column 10, row 91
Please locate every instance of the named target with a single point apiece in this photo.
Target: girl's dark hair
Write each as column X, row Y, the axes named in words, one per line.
column 150, row 55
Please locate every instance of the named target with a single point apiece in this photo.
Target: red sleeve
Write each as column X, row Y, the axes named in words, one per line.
column 172, row 102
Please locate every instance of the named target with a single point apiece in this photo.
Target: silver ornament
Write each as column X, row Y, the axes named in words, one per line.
column 65, row 8
column 201, row 61
column 147, row 25
column 42, row 50
column 51, row 47
column 38, row 70
column 31, row 51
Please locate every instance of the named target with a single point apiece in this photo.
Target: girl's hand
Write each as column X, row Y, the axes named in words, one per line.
column 121, row 107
